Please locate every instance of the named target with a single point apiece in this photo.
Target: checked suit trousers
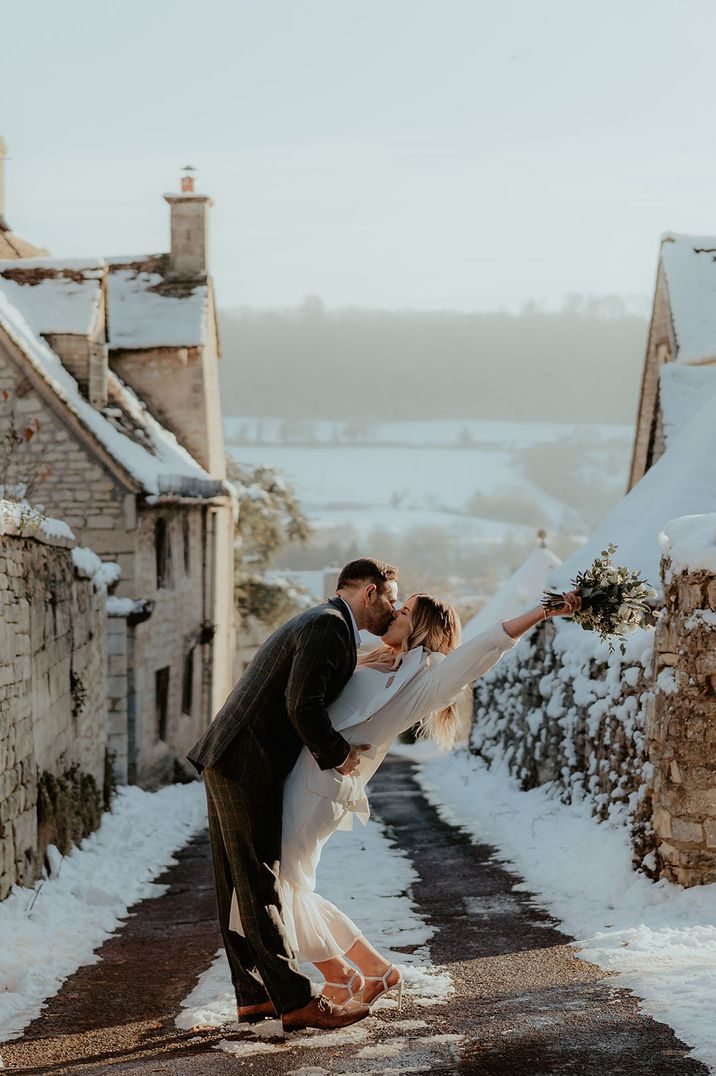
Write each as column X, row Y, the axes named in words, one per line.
column 245, row 830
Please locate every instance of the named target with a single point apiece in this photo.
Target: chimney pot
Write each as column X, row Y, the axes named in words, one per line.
column 187, row 179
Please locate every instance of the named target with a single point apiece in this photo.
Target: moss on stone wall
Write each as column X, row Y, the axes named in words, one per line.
column 69, row 808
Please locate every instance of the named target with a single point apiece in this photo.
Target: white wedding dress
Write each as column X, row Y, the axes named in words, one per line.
column 373, row 708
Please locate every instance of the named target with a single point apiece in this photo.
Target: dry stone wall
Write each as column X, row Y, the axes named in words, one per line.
column 561, row 709
column 681, row 729
column 52, row 693
column 634, row 734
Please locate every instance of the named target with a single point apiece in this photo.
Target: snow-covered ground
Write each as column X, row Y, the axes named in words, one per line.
column 659, row 938
column 405, row 475
column 90, row 891
column 364, row 873
column 49, row 931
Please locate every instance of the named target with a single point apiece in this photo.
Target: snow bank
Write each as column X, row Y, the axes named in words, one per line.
column 523, row 589
column 658, row 938
column 690, row 543
column 49, row 931
column 680, row 482
column 683, row 391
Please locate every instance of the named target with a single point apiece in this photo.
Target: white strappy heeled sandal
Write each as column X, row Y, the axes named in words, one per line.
column 354, row 993
column 387, row 988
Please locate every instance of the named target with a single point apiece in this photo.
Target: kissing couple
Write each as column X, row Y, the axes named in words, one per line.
column 286, row 762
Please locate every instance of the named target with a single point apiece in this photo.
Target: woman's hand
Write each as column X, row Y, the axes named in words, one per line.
column 520, row 624
column 572, row 603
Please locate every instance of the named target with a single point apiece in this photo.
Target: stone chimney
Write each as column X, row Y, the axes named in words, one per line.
column 188, row 259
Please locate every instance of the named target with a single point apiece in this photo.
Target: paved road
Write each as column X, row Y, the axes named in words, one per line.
column 524, row 1004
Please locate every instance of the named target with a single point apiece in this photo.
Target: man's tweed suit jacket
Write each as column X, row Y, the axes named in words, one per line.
column 283, row 696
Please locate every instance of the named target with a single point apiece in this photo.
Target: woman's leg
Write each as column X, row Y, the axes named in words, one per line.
column 374, row 967
column 342, row 980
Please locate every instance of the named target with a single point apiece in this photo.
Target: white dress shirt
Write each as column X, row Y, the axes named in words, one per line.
column 356, row 630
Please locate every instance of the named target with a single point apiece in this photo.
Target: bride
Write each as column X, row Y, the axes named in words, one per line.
column 414, row 677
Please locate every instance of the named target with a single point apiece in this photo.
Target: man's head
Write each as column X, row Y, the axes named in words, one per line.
column 370, row 587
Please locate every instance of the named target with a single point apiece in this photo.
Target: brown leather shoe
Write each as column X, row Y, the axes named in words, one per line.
column 323, row 1014
column 251, row 1014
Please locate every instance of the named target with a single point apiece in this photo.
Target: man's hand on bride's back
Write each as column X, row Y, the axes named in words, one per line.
column 353, row 761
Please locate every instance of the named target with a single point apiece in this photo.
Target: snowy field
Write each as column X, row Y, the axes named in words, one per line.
column 659, row 938
column 403, row 475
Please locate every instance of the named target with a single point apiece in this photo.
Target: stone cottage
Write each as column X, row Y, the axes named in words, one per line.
column 680, row 364
column 112, row 366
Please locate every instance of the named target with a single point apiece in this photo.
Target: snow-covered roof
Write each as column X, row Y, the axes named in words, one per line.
column 147, row 309
column 690, row 266
column 523, row 589
column 53, row 295
column 682, row 482
column 690, row 543
column 148, row 452
column 683, row 390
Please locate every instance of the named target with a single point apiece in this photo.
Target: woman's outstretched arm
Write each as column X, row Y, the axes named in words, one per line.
column 475, row 657
column 522, row 623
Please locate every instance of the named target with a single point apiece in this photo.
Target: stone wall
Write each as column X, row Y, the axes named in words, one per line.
column 561, row 709
column 52, row 689
column 635, row 734
column 681, row 729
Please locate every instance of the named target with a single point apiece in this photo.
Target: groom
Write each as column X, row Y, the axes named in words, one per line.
column 278, row 705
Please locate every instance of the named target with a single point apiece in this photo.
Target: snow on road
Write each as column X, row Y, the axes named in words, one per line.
column 659, row 938
column 49, row 931
column 366, row 875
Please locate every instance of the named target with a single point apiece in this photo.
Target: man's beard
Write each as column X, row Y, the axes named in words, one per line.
column 380, row 622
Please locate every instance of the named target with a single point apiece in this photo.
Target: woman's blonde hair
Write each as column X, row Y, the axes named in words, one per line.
column 436, row 627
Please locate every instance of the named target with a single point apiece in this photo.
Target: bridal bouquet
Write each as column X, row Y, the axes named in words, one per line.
column 614, row 599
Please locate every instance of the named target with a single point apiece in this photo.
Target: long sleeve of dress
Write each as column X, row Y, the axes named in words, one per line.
column 432, row 688
column 446, row 676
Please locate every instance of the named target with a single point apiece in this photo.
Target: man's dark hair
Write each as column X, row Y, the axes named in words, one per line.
column 366, row 570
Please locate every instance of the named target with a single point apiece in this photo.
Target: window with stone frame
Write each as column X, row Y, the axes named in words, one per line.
column 163, row 552
column 187, row 694
column 161, row 701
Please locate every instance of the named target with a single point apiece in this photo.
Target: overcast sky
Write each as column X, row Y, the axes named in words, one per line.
column 392, row 153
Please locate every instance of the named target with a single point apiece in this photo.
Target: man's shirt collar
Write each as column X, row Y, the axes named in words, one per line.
column 356, row 632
